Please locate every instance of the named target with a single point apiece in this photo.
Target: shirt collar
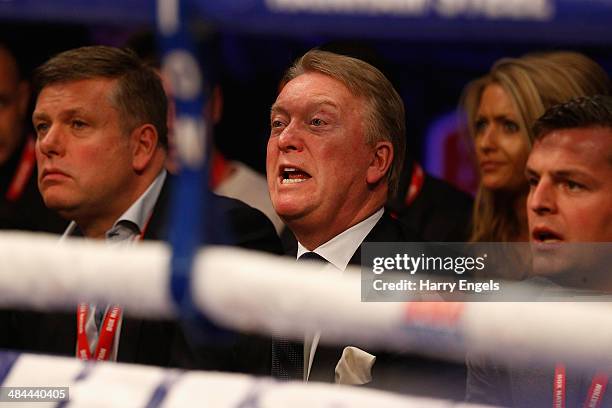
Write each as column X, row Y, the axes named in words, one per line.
column 339, row 250
column 139, row 212
column 71, row 231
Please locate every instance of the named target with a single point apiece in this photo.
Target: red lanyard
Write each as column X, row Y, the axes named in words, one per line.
column 23, row 172
column 106, row 336
column 109, row 327
column 594, row 395
column 107, row 332
column 559, row 387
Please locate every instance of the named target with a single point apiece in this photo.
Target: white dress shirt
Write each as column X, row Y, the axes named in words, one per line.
column 338, row 251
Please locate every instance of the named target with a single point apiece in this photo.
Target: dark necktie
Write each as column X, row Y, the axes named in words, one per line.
column 287, row 355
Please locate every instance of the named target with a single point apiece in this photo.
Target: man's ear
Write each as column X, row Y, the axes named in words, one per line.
column 381, row 161
column 144, row 141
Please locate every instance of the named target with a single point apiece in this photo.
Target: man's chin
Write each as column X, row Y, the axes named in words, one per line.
column 297, row 219
column 290, row 217
column 575, row 265
column 63, row 208
column 290, row 208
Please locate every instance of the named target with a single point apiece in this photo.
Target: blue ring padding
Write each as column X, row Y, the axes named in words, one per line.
column 83, row 374
column 187, row 205
column 7, row 360
column 181, row 265
column 252, row 398
column 161, row 391
column 190, row 206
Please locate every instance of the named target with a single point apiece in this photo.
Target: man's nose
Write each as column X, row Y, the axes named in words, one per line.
column 542, row 198
column 291, row 139
column 52, row 142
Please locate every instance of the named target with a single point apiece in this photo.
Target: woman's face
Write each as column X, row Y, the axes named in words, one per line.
column 501, row 142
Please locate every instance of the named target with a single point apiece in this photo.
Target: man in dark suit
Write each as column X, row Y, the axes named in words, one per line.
column 100, row 120
column 334, row 155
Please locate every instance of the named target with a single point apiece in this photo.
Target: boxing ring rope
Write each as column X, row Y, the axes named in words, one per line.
column 117, row 385
column 253, row 292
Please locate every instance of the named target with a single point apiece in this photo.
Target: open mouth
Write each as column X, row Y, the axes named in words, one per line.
column 292, row 175
column 546, row 236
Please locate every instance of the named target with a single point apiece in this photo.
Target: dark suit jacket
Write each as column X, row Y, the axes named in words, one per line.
column 391, row 371
column 524, row 386
column 164, row 343
column 439, row 213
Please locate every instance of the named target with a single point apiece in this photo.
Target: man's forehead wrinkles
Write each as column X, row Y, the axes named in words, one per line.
column 560, row 168
column 72, row 111
column 322, row 98
column 307, row 104
column 554, row 163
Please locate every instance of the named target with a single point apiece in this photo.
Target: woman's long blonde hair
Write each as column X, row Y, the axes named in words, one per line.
column 534, row 82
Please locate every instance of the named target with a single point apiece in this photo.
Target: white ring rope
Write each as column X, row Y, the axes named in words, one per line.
column 255, row 292
column 115, row 385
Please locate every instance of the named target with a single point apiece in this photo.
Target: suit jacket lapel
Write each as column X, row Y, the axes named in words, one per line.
column 385, row 230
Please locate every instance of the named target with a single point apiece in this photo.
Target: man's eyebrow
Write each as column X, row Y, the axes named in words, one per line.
column 277, row 109
column 576, row 174
column 564, row 173
column 39, row 116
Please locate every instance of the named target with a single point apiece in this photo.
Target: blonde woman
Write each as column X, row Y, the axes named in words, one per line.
column 501, row 108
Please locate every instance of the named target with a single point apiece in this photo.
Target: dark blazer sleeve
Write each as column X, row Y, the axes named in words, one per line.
column 439, row 212
column 227, row 222
column 387, row 229
column 249, row 227
column 486, row 383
